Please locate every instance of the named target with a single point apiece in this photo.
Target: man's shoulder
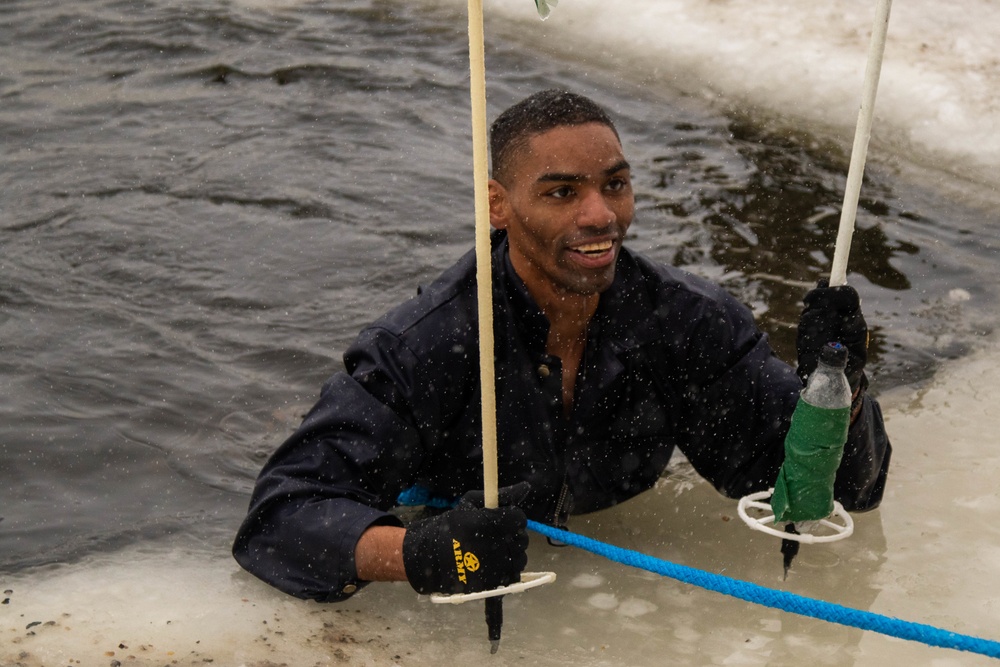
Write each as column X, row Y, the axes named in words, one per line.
column 705, row 329
column 444, row 309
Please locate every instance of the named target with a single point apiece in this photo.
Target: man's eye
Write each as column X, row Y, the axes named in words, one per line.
column 561, row 192
column 617, row 184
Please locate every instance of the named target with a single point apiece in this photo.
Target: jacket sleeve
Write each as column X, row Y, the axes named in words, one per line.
column 863, row 469
column 336, row 475
column 741, row 407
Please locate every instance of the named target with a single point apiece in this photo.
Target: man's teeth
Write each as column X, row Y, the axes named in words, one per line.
column 595, row 248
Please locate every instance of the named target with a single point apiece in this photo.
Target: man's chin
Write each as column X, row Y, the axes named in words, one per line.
column 592, row 285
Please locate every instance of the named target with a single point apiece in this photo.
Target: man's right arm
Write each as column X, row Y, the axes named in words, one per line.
column 378, row 555
column 317, row 527
column 327, row 485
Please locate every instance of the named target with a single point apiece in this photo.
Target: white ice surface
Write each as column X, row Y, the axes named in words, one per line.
column 938, row 101
column 930, row 554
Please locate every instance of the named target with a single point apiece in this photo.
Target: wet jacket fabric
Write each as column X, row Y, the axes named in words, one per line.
column 671, row 361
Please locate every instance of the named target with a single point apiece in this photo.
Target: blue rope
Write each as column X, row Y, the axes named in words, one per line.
column 769, row 597
column 744, row 590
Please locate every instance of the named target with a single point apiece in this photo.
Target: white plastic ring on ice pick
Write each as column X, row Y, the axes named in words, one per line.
column 765, row 521
column 528, row 580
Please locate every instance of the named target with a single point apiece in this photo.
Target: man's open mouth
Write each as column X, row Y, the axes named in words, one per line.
column 594, row 249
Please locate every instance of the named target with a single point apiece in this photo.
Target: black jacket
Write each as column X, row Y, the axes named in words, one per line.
column 671, row 360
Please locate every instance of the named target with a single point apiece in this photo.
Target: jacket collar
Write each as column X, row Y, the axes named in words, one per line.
column 529, row 318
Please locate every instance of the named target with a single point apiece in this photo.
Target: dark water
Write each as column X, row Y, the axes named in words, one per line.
column 202, row 202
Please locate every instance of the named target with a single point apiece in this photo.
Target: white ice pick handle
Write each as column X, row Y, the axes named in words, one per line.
column 528, row 580
column 763, row 520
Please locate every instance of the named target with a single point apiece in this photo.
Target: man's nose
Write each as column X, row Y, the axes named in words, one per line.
column 595, row 211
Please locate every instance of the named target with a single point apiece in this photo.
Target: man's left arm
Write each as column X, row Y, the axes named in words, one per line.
column 864, row 467
column 736, row 422
column 833, row 314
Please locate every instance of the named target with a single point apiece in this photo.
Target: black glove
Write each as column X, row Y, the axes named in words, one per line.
column 833, row 314
column 469, row 549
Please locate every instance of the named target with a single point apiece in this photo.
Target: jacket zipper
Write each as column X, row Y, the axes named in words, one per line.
column 559, row 517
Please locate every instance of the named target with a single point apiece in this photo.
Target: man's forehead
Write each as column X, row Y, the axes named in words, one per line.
column 572, row 134
column 593, row 144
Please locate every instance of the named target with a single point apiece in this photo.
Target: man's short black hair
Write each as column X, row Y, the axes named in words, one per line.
column 539, row 113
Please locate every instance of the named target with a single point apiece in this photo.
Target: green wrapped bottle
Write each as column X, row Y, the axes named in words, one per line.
column 815, row 442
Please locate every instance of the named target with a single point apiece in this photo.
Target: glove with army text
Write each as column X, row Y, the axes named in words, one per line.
column 469, row 549
column 833, row 314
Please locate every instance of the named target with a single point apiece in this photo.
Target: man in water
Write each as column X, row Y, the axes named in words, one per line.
column 605, row 361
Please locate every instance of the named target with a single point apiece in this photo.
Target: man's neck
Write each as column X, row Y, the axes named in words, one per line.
column 568, row 318
column 568, row 314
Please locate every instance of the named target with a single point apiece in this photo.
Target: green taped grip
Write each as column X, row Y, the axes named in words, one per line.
column 813, row 449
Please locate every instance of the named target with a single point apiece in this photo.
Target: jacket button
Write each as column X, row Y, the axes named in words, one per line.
column 543, row 371
column 349, row 589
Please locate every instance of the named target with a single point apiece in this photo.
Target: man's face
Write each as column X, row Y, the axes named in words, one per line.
column 566, row 207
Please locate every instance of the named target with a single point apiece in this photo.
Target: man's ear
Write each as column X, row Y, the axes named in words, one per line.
column 499, row 205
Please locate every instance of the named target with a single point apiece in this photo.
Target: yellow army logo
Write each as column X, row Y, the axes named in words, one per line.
column 464, row 561
column 459, row 561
